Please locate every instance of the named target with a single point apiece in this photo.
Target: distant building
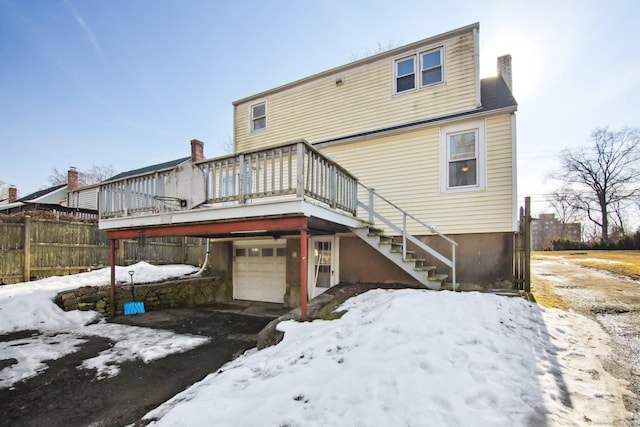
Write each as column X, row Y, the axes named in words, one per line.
column 547, row 229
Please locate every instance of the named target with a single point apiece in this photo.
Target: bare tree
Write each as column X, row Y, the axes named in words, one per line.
column 370, row 52
column 91, row 176
column 228, row 146
column 96, row 174
column 57, row 177
column 563, row 204
column 602, row 177
column 4, row 190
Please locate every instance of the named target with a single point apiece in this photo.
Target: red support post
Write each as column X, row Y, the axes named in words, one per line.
column 112, row 263
column 303, row 274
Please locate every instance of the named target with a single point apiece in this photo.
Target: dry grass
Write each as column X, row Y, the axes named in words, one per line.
column 626, row 263
column 545, row 296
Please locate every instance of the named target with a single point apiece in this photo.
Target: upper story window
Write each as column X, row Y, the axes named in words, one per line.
column 406, row 73
column 431, row 67
column 258, row 116
column 463, row 157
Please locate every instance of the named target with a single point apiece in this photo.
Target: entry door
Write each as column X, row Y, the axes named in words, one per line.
column 323, row 264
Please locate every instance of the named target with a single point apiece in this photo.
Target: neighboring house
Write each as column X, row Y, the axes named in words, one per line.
column 74, row 198
column 402, row 168
column 48, row 199
column 57, row 199
column 546, row 229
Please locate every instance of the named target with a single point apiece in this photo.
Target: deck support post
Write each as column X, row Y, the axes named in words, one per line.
column 112, row 263
column 303, row 274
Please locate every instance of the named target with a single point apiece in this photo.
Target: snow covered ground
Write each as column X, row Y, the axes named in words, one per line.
column 30, row 306
column 415, row 358
column 396, row 358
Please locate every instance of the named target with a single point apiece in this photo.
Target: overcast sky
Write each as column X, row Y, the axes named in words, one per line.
column 126, row 83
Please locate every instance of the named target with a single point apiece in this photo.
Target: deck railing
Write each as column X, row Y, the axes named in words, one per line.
column 372, row 204
column 295, row 170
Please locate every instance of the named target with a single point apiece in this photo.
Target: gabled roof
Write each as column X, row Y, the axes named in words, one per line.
column 41, row 193
column 364, row 61
column 152, row 168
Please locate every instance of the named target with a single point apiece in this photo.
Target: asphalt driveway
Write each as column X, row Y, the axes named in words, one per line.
column 64, row 395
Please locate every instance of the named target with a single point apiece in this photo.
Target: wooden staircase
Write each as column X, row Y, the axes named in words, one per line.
column 406, row 260
column 395, row 248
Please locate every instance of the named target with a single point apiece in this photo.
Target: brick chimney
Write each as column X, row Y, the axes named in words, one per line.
column 13, row 194
column 197, row 150
column 504, row 70
column 72, row 179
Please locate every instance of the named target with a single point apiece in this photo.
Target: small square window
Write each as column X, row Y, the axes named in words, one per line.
column 241, row 252
column 281, row 252
column 267, row 252
column 259, row 116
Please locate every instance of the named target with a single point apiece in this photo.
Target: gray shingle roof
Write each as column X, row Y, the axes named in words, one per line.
column 495, row 94
column 151, row 168
column 40, row 193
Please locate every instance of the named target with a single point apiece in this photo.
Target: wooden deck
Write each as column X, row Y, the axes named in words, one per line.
column 253, row 193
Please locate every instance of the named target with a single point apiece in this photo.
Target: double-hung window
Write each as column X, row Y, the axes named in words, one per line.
column 463, row 164
column 463, row 158
column 258, row 116
column 419, row 70
column 405, row 74
column 431, row 66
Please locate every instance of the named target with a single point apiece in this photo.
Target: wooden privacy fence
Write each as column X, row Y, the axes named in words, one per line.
column 522, row 248
column 36, row 248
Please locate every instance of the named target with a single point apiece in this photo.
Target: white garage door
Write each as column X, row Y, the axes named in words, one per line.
column 259, row 272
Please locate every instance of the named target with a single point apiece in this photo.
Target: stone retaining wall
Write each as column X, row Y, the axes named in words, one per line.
column 156, row 296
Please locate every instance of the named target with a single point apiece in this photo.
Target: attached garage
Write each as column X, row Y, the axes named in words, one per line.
column 259, row 271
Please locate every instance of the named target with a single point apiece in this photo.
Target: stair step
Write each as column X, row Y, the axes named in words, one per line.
column 399, row 251
column 373, row 231
column 438, row 277
column 386, row 240
column 426, row 268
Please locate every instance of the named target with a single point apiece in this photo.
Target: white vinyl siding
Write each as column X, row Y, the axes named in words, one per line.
column 410, row 178
column 320, row 109
column 88, row 199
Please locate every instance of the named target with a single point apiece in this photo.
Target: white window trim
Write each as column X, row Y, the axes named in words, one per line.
column 416, row 64
column 481, row 156
column 251, row 118
column 441, row 49
column 417, row 75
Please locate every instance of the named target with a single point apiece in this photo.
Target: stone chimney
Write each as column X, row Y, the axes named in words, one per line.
column 13, row 194
column 197, row 150
column 72, row 179
column 504, row 70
